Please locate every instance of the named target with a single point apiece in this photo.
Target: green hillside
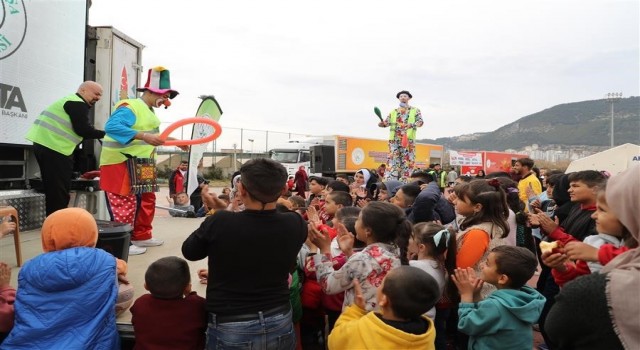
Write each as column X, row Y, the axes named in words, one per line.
column 584, row 123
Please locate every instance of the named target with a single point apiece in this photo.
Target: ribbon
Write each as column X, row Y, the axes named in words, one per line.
column 438, row 236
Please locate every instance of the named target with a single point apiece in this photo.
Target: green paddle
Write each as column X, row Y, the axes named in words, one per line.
column 376, row 110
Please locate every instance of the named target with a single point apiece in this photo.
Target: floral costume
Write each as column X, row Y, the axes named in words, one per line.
column 369, row 266
column 401, row 158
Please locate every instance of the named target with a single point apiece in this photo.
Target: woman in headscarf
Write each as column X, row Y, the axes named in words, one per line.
column 67, row 296
column 362, row 186
column 235, row 204
column 300, row 180
column 561, row 197
column 602, row 310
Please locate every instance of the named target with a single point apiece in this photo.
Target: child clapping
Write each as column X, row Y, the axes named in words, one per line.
column 405, row 295
column 503, row 320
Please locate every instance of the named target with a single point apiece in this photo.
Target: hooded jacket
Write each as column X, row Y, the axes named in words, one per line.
column 66, row 300
column 430, row 205
column 357, row 329
column 393, row 186
column 67, row 295
column 503, row 320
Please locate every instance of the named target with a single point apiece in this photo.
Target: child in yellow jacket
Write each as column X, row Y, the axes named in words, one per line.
column 405, row 295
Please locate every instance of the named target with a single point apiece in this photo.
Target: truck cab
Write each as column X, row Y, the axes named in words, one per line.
column 295, row 153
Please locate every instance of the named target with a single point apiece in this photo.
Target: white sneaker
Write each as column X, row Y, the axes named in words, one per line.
column 133, row 250
column 151, row 242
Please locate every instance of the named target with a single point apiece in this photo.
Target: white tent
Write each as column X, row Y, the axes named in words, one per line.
column 613, row 160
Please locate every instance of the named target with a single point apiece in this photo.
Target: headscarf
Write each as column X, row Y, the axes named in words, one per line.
column 366, row 174
column 233, row 177
column 561, row 197
column 234, row 182
column 301, row 174
column 69, row 228
column 624, row 271
column 560, row 190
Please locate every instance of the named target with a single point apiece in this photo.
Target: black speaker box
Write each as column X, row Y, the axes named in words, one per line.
column 323, row 159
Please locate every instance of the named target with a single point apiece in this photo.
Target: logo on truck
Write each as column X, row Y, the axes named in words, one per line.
column 11, row 98
column 13, row 26
column 357, row 156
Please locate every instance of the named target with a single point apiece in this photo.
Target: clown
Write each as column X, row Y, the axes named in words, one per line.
column 133, row 131
column 403, row 122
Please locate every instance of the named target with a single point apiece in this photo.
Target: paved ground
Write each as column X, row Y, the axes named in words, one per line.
column 172, row 230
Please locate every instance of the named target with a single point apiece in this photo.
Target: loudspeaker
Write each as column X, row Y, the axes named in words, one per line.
column 323, row 159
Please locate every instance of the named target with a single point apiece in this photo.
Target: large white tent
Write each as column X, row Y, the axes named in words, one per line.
column 613, row 160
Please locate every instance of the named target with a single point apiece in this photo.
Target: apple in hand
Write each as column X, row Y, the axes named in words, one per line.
column 551, row 247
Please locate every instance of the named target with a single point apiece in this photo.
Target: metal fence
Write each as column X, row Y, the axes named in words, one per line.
column 239, row 139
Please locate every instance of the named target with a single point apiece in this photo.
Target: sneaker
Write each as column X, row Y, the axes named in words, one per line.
column 133, row 250
column 543, row 346
column 151, row 242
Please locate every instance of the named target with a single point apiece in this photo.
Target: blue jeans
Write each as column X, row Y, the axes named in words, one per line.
column 272, row 332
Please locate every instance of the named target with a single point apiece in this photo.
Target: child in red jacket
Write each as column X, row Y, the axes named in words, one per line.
column 581, row 258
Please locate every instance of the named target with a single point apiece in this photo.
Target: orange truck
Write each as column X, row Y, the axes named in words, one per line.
column 471, row 162
column 345, row 155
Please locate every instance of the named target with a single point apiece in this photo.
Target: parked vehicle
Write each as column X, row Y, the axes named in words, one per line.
column 336, row 154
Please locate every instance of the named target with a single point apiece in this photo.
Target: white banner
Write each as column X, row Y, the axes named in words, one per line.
column 41, row 60
column 209, row 108
column 465, row 158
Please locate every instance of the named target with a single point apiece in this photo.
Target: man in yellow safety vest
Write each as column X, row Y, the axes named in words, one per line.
column 55, row 135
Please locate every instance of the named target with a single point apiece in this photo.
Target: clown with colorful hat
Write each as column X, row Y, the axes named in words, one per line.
column 127, row 165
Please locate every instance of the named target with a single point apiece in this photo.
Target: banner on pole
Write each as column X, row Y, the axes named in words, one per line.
column 209, row 108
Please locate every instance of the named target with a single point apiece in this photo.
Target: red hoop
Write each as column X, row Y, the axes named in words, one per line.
column 194, row 120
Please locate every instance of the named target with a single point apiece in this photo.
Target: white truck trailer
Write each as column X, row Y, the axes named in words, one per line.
column 46, row 51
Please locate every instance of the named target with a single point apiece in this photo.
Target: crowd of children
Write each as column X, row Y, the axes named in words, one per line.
column 367, row 276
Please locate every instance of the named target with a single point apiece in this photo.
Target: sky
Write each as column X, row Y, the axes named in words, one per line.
column 319, row 68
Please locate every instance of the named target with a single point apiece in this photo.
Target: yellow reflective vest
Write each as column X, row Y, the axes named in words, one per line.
column 113, row 152
column 393, row 117
column 53, row 128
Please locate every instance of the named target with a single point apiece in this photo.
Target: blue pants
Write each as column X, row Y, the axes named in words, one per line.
column 272, row 332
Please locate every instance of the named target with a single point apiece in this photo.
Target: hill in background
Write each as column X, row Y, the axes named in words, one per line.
column 584, row 123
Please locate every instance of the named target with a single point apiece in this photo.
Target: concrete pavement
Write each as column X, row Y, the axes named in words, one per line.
column 173, row 231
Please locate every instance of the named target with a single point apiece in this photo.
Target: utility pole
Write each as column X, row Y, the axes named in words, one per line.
column 235, row 155
column 612, row 98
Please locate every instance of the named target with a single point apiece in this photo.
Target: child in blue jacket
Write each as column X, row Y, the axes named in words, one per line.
column 503, row 320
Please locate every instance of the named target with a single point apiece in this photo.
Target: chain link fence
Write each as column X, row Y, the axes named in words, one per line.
column 241, row 140
column 225, row 154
